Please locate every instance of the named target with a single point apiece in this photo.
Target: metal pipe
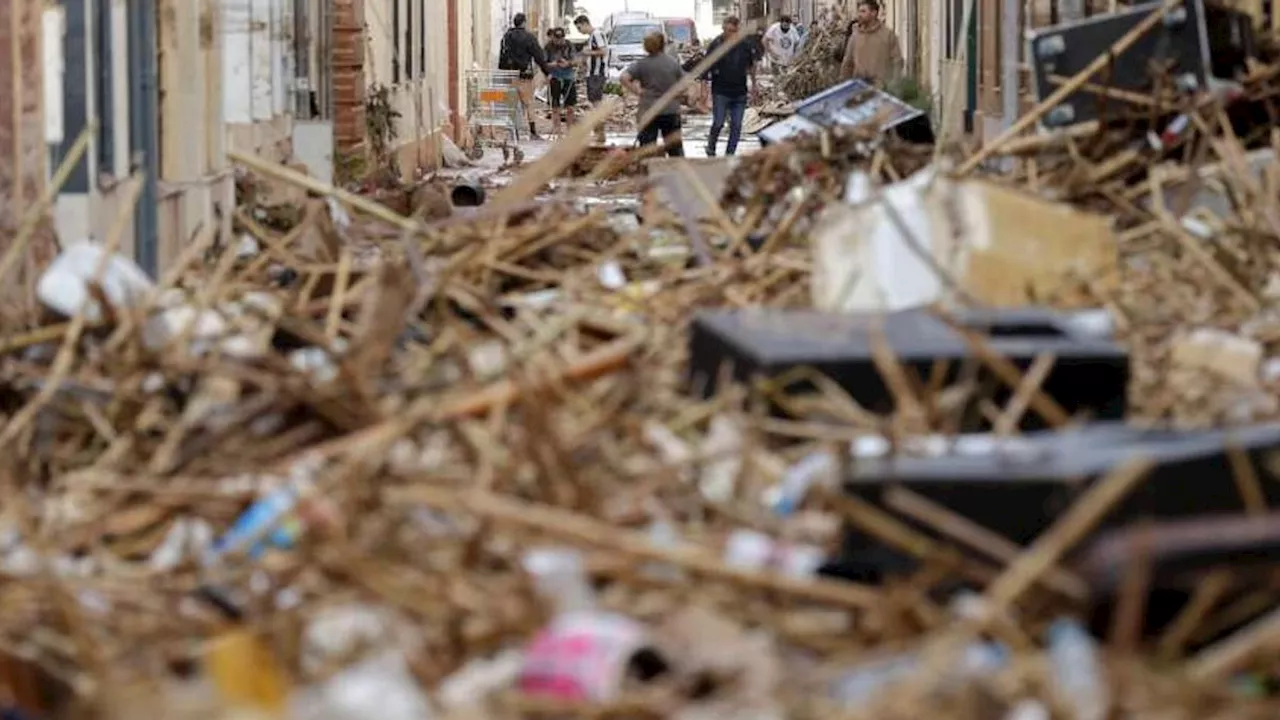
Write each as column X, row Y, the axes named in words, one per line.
column 143, row 130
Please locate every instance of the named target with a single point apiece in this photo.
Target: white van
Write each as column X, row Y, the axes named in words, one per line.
column 618, row 18
column 626, row 40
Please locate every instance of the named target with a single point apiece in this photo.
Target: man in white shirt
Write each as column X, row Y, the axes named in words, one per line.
column 596, row 50
column 781, row 42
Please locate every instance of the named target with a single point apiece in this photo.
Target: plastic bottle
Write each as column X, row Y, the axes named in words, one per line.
column 1077, row 670
column 863, row 682
column 560, row 576
column 272, row 520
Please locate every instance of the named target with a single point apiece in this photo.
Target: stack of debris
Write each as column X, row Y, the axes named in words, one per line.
column 817, row 67
column 802, row 453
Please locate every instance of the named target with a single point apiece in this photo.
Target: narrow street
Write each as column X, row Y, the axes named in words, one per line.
column 490, row 170
column 327, row 393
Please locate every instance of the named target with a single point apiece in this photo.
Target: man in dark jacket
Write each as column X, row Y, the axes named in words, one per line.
column 520, row 51
column 729, row 88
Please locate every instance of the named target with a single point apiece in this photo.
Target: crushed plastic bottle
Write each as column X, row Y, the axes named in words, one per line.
column 751, row 550
column 560, row 576
column 269, row 521
column 862, row 683
column 1078, row 670
column 275, row 519
column 815, row 469
column 582, row 656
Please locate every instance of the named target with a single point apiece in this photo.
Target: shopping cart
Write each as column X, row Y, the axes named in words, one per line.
column 494, row 111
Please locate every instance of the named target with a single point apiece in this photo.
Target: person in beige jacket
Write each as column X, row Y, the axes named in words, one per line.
column 872, row 52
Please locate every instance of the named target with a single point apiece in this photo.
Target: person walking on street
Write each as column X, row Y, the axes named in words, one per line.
column 595, row 51
column 520, row 51
column 729, row 86
column 755, row 41
column 651, row 78
column 872, row 53
column 564, row 79
column 781, row 42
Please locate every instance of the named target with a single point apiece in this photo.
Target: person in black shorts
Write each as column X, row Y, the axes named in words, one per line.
column 564, row 78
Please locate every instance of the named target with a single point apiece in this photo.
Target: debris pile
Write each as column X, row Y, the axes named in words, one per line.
column 359, row 461
column 817, row 67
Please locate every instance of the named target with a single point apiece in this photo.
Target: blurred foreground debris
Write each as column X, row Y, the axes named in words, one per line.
column 383, row 456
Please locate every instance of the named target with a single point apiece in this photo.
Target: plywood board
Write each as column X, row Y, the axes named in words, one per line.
column 711, row 172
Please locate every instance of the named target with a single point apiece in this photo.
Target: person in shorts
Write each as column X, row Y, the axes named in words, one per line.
column 596, row 53
column 563, row 90
column 519, row 52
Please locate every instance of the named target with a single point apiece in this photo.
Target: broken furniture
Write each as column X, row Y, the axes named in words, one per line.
column 1089, row 376
column 1225, row 557
column 933, row 239
column 849, row 104
column 1017, row 487
column 1193, row 43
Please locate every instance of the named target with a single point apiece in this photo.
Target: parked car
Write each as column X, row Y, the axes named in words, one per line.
column 626, row 41
column 619, row 18
column 681, row 32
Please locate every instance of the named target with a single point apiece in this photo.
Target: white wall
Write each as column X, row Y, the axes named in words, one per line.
column 258, row 74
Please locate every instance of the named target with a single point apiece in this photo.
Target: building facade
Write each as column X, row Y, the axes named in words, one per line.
column 23, row 158
column 172, row 86
column 403, row 48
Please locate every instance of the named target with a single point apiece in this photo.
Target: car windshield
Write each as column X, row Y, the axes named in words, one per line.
column 680, row 33
column 633, row 34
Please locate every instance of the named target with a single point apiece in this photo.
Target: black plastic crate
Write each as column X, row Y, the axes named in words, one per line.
column 851, row 103
column 1178, row 45
column 1089, row 376
column 1019, row 490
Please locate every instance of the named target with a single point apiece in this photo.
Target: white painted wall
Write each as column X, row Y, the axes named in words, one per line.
column 258, row 74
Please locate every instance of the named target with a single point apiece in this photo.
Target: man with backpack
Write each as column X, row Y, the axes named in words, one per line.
column 520, row 51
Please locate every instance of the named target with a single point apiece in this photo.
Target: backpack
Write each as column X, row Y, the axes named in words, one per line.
column 506, row 53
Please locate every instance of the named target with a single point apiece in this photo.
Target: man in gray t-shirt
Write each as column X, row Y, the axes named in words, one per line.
column 651, row 78
column 656, row 75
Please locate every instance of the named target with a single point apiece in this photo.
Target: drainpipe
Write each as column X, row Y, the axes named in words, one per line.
column 143, row 128
column 455, row 120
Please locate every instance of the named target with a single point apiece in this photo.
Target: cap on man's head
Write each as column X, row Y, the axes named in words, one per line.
column 582, row 20
column 785, row 19
column 518, row 20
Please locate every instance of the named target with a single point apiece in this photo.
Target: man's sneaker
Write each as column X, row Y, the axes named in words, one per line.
column 711, row 152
